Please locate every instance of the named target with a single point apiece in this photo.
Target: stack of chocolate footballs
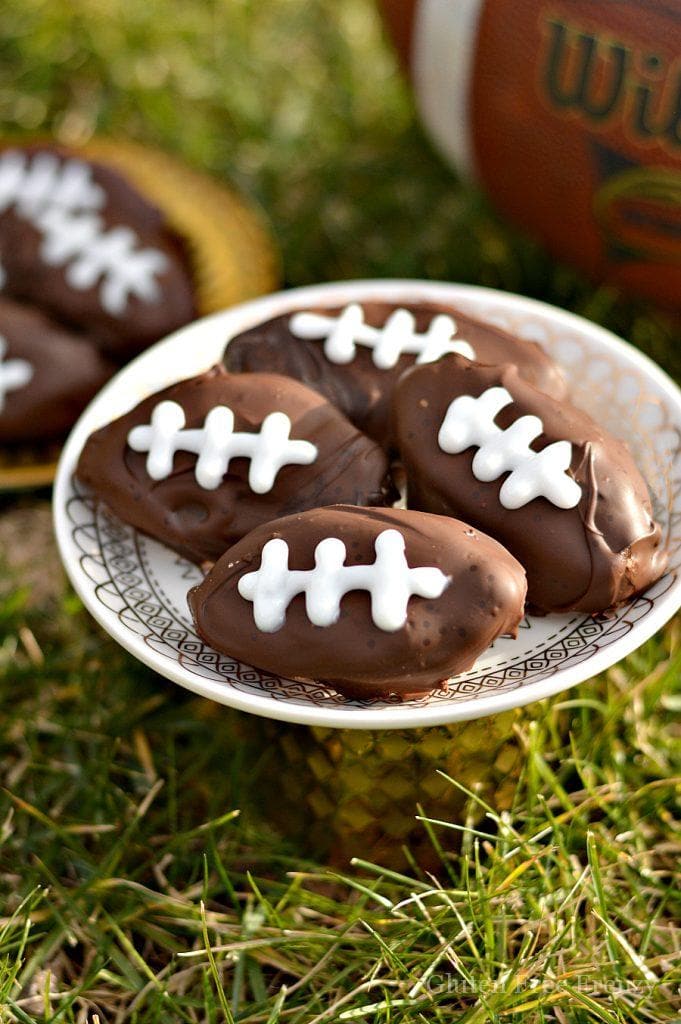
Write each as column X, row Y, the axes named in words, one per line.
column 89, row 271
column 277, row 473
column 101, row 254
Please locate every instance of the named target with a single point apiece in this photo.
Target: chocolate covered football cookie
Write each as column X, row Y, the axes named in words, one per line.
column 47, row 374
column 116, row 245
column 563, row 495
column 205, row 461
column 375, row 601
column 79, row 241
column 355, row 355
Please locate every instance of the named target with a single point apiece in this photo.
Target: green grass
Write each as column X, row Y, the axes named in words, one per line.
column 130, row 889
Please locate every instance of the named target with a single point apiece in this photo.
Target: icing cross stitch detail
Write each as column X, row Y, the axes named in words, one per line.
column 60, row 198
column 343, row 333
column 14, row 373
column 217, row 443
column 469, row 422
column 91, row 253
column 388, row 579
column 43, row 179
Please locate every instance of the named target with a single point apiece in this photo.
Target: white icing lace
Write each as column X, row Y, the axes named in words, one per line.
column 469, row 422
column 217, row 443
column 343, row 333
column 388, row 579
column 14, row 373
column 60, row 198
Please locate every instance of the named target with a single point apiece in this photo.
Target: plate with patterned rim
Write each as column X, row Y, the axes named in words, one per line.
column 136, row 588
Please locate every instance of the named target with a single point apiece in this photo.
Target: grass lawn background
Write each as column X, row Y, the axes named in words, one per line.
column 130, row 889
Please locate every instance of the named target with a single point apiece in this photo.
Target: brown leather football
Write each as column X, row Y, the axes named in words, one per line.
column 569, row 113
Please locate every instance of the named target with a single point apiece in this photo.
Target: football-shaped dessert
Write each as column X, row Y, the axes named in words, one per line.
column 47, row 374
column 373, row 601
column 77, row 240
column 110, row 246
column 354, row 355
column 569, row 113
column 539, row 475
column 200, row 464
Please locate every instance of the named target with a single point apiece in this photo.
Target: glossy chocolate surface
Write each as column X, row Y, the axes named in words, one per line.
column 359, row 389
column 66, row 371
column 201, row 524
column 442, row 636
column 589, row 558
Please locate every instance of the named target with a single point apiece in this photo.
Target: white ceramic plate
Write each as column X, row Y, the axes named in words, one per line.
column 136, row 588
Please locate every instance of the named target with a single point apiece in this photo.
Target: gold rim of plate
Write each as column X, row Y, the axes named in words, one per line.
column 28, row 467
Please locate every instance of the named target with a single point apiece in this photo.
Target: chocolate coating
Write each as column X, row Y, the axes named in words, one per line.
column 201, row 524
column 362, row 391
column 67, row 371
column 29, row 278
column 589, row 558
column 441, row 637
